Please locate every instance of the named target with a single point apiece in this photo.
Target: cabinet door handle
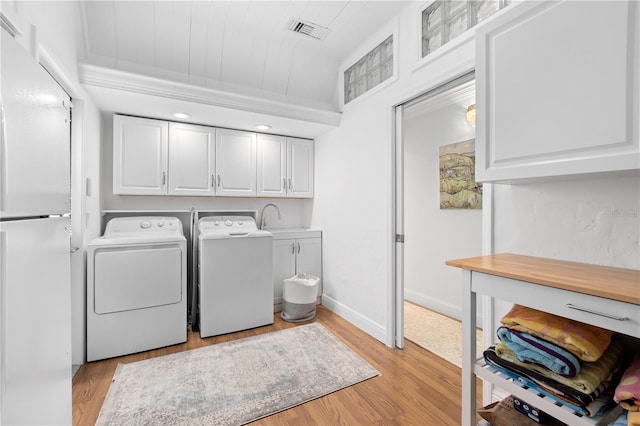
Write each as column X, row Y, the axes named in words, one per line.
column 218, row 181
column 293, row 248
column 298, row 248
column 602, row 314
column 164, row 178
column 213, row 181
column 290, row 186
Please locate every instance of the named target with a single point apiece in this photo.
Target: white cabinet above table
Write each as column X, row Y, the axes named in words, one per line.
column 557, row 87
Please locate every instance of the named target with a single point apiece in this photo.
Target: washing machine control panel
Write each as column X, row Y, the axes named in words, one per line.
column 122, row 226
column 227, row 224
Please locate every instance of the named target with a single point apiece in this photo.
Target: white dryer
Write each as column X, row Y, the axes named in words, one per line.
column 235, row 275
column 136, row 287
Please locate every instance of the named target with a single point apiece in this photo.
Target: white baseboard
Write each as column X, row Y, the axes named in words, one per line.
column 363, row 323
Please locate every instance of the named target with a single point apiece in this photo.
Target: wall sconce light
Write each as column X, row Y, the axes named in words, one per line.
column 471, row 114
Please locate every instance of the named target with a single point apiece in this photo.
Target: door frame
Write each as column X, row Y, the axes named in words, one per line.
column 397, row 213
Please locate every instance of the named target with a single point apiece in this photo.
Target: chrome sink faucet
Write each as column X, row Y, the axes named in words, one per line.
column 263, row 222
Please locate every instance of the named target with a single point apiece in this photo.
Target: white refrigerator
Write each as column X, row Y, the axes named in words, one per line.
column 35, row 299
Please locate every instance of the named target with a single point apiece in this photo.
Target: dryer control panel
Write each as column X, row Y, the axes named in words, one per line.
column 142, row 224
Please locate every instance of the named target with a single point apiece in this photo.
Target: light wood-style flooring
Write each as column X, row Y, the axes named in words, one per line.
column 416, row 387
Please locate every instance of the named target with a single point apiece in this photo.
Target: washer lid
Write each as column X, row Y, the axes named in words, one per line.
column 143, row 227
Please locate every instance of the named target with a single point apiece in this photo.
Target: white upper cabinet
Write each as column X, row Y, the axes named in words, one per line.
column 299, row 168
column 557, row 87
column 285, row 167
column 155, row 157
column 272, row 166
column 140, row 153
column 191, row 159
column 235, row 163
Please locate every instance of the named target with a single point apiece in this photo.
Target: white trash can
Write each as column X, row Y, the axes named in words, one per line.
column 299, row 294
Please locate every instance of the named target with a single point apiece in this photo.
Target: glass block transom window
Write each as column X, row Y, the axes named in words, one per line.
column 444, row 20
column 374, row 68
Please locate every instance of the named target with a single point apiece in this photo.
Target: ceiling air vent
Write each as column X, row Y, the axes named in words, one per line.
column 310, row 29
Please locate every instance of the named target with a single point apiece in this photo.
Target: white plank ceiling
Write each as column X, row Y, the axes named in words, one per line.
column 242, row 47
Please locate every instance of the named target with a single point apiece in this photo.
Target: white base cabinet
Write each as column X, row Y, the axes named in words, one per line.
column 603, row 296
column 294, row 252
column 557, row 90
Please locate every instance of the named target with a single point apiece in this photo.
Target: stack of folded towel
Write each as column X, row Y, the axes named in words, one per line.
column 574, row 363
column 627, row 393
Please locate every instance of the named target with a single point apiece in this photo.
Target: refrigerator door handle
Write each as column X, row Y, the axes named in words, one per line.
column 3, row 155
column 3, row 312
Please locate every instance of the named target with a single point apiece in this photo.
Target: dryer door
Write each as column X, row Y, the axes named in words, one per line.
column 137, row 277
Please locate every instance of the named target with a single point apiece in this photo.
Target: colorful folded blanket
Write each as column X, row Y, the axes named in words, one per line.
column 591, row 409
column 528, row 348
column 590, row 376
column 562, row 391
column 627, row 393
column 585, row 341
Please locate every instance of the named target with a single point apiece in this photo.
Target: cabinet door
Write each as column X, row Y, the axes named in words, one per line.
column 272, row 154
column 140, row 148
column 557, row 90
column 299, row 168
column 235, row 163
column 284, row 265
column 191, row 159
column 309, row 258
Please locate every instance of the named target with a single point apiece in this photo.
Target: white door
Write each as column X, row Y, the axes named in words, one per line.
column 191, row 159
column 299, row 168
column 34, row 138
column 272, row 166
column 36, row 321
column 235, row 163
column 140, row 153
column 284, row 266
column 309, row 258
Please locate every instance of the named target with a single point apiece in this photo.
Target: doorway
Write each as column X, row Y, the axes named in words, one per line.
column 436, row 225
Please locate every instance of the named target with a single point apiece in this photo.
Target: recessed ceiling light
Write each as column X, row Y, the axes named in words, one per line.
column 181, row 115
column 263, row 127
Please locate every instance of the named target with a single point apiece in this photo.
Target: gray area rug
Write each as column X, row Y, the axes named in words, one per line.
column 235, row 382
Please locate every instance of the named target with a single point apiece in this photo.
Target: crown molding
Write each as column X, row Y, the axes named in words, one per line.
column 92, row 75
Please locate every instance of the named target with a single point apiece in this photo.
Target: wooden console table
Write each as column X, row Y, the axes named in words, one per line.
column 603, row 296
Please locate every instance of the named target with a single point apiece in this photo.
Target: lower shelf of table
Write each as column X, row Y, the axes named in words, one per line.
column 544, row 403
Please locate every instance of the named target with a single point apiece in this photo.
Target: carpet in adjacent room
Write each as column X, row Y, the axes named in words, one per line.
column 436, row 333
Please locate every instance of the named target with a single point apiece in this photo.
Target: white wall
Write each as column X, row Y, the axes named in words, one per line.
column 354, row 205
column 353, row 202
column 432, row 235
column 594, row 219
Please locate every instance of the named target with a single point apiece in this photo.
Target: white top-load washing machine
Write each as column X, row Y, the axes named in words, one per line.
column 136, row 287
column 235, row 275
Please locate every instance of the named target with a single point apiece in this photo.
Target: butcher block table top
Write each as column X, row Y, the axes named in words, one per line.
column 603, row 281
